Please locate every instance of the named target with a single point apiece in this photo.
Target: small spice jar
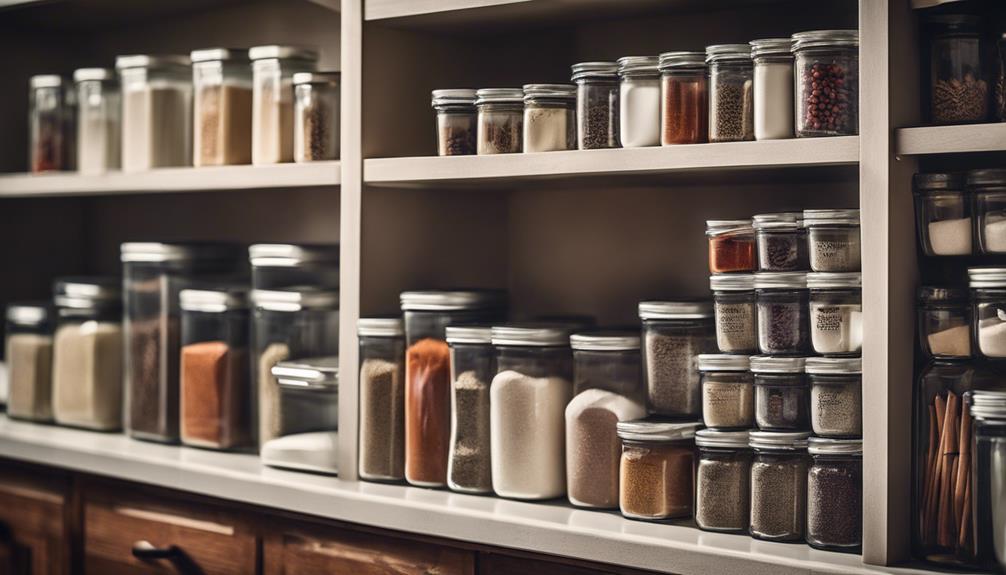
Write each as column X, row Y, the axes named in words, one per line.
column 684, row 100
column 608, row 360
column 734, row 306
column 29, row 360
column 549, row 117
column 945, row 322
column 779, row 485
column 783, row 314
column 273, row 68
column 782, row 396
column 959, row 89
column 988, row 409
column 638, row 101
column 989, row 189
column 657, row 469
column 531, row 389
column 834, row 240
column 727, row 391
column 222, row 104
column 943, row 213
column 501, row 120
column 731, row 93
column 731, row 246
column 156, row 111
column 773, row 88
column 99, row 120
column 596, row 105
column 674, row 333
column 836, row 396
column 456, row 121
column 279, row 266
column 308, row 400
column 781, row 241
column 382, row 398
column 827, row 83
column 723, row 481
column 316, row 116
column 836, row 313
column 835, row 494
column 988, row 291
column 473, row 365
column 51, row 124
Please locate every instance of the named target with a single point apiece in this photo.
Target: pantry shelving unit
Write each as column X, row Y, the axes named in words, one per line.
column 951, row 139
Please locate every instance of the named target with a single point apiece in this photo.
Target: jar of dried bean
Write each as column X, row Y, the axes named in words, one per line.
column 734, row 305
column 836, row 396
column 779, row 485
column 456, row 121
column 731, row 92
column 657, row 469
column 782, row 242
column 827, row 83
column 944, row 322
column 684, row 99
column 500, row 120
column 782, row 396
column 835, row 494
column 674, row 333
column 783, row 315
column 727, row 391
column 731, row 246
column 723, row 481
column 382, row 398
column 596, row 104
column 834, row 240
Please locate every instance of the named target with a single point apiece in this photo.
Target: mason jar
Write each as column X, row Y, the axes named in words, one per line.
column 156, row 111
column 723, row 481
column 309, row 401
column 731, row 246
column 638, row 101
column 989, row 189
column 988, row 294
column 782, row 242
column 273, row 68
column 834, row 240
column 944, row 322
column 943, row 214
column 29, row 360
column 959, row 86
column 549, row 117
column 456, row 121
column 773, row 88
column 500, row 120
column 279, row 266
column 727, row 391
column 782, row 395
column 779, row 485
column 827, row 83
column 988, row 408
column 382, row 398
column 783, row 314
column 731, row 93
column 222, row 103
column 674, row 334
column 316, row 116
column 836, row 313
column 835, row 494
column 657, row 469
column 734, row 306
column 684, row 98
column 99, row 120
column 473, row 366
column 836, row 396
column 596, row 105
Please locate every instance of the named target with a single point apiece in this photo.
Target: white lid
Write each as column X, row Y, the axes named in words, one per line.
column 605, row 340
column 657, row 430
column 45, row 81
column 156, row 252
column 781, row 441
column 282, row 52
column 826, row 446
column 151, row 61
column 722, row 439
column 380, row 327
column 319, row 373
column 214, row 300
column 436, row 300
column 330, row 77
column 292, row 255
column 89, row 74
column 473, row 334
column 295, row 299
column 87, row 292
column 28, row 313
column 780, row 280
column 683, row 309
column 731, row 282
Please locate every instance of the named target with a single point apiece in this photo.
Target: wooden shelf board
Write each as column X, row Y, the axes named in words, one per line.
column 951, row 139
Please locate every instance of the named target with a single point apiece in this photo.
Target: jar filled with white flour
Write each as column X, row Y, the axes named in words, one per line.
column 836, row 313
column 943, row 210
column 639, row 101
column 773, row 88
column 989, row 188
column 988, row 288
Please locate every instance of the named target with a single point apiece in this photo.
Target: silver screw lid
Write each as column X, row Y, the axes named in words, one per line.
column 731, row 282
column 657, row 430
column 451, row 300
column 779, row 441
column 470, row 334
column 828, row 280
column 380, row 327
column 826, row 446
column 723, row 362
column 605, row 340
column 774, row 364
column 313, row 374
column 675, row 310
column 833, row 365
column 722, row 439
column 532, row 335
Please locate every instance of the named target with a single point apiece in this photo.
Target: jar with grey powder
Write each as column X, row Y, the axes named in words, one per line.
column 734, row 305
column 834, row 240
column 782, row 396
column 723, row 481
column 473, row 365
column 674, row 334
column 836, row 396
column 783, row 318
column 779, row 485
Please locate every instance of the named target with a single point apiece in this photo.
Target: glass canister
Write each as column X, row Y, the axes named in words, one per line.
column 51, row 143
column 943, row 214
column 473, row 366
column 731, row 93
column 674, row 334
column 638, row 101
column 734, row 306
column 836, row 396
column 29, row 360
column 988, row 294
column 782, row 396
column 316, row 112
column 834, row 240
column 87, row 353
column 731, row 246
column 781, row 241
column 773, row 88
column 382, row 398
column 988, row 408
column 309, row 401
column 989, row 189
column 783, row 313
column 273, row 68
column 684, row 100
column 456, row 121
column 999, row 103
column 500, row 120
column 827, row 83
column 99, row 120
column 156, row 111
column 835, row 494
column 278, row 266
column 723, row 481
column 779, row 485
column 596, row 105
column 945, row 322
column 222, row 85
column 657, row 469
column 959, row 89
column 836, row 313
column 428, row 374
column 608, row 360
column 216, row 394
column 727, row 391
column 549, row 117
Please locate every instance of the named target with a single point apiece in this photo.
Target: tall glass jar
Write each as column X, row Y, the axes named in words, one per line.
column 549, row 117
column 51, row 143
column 657, row 470
column 638, row 101
column 734, row 305
column 988, row 408
column 835, row 494
column 943, row 214
column 731, row 93
column 674, row 334
column 382, row 398
column 727, row 391
column 827, row 83
column 596, row 105
column 684, row 99
column 782, row 396
column 723, row 481
column 782, row 242
column 29, row 360
column 836, row 313
column 834, row 240
column 473, row 366
column 156, row 111
column 273, row 68
column 836, row 396
column 779, row 485
column 945, row 322
column 221, row 128
column 783, row 314
column 316, row 116
column 731, row 246
column 501, row 120
column 99, row 120
column 989, row 189
column 773, row 88
column 456, row 121
column 988, row 294
column 278, row 266
column 309, row 401
column 959, row 88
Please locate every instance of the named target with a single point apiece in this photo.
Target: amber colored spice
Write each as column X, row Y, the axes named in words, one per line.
column 427, row 412
column 215, row 408
column 656, row 480
column 731, row 253
column 686, row 109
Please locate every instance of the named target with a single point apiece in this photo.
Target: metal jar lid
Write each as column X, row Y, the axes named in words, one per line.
column 330, row 77
column 87, row 292
column 219, row 55
column 988, row 404
column 380, row 327
column 722, row 439
column 940, row 294
column 452, row 300
column 681, row 59
column 833, row 365
column 470, row 334
column 779, row 441
column 532, row 335
column 214, row 299
column 498, row 95
column 151, row 61
column 723, row 362
column 453, row 97
column 292, row 255
column 780, row 280
column 987, row 177
column 93, row 75
column 295, row 299
column 731, row 282
column 676, row 310
column 987, row 277
column 549, row 91
column 773, row 364
column 834, row 280
column 657, row 430
column 784, row 221
column 952, row 181
column 830, row 217
column 282, row 52
column 605, row 340
column 603, row 70
column 771, row 47
column 45, row 81
column 314, row 374
column 728, row 52
column 154, row 252
column 638, row 65
column 826, row 446
column 721, row 227
column 33, row 313
column 825, row 39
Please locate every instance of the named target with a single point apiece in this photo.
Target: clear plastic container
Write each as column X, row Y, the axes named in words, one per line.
column 727, row 391
column 723, row 481
column 988, row 408
column 638, row 101
column 773, row 88
column 549, row 117
column 836, row 313
column 989, row 189
column 827, row 83
column 836, row 396
column 222, row 103
column 657, row 471
column 278, row 266
column 316, row 111
column 674, row 334
column 782, row 242
column 382, row 398
column 959, row 87
column 456, row 121
column 500, row 120
column 945, row 322
column 273, row 68
column 29, row 360
column 51, row 124
column 156, row 111
column 779, row 485
column 99, row 120
column 473, row 366
column 684, row 98
column 834, row 240
column 943, row 214
column 596, row 105
column 731, row 93
column 731, row 246
column 835, row 494
column 608, row 360
column 734, row 306
column 783, row 313
column 782, row 395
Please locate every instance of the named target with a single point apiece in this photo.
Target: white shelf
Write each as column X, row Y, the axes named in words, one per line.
column 951, row 139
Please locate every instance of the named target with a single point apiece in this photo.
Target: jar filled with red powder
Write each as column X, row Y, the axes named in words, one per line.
column 731, row 246
column 684, row 101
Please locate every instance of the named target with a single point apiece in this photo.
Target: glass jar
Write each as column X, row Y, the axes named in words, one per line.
column 216, row 393
column 723, row 481
column 608, row 360
column 51, row 142
column 959, row 89
column 316, row 112
column 943, row 214
column 988, row 290
column 674, row 334
column 473, row 366
column 782, row 396
column 834, row 240
column 684, row 106
column 773, row 88
column 944, row 322
column 309, row 403
column 836, row 313
column 638, row 101
column 596, row 105
column 531, row 389
column 781, row 241
column 727, row 391
column 549, row 117
column 87, row 354
column 836, row 396
column 29, row 361
column 835, row 494
column 273, row 68
column 989, row 189
column 731, row 246
column 428, row 377
column 456, row 121
column 731, row 93
column 783, row 314
column 779, row 485
column 99, row 120
column 734, row 305
column 988, row 408
column 999, row 112
column 657, row 469
column 827, row 83
column 501, row 120
column 156, row 111
column 382, row 398
column 278, row 266
column 221, row 128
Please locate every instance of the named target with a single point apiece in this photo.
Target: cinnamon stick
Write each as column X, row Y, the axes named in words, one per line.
column 965, row 533
column 930, row 506
column 946, row 529
column 964, row 465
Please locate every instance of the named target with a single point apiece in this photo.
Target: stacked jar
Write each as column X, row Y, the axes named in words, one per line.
column 943, row 211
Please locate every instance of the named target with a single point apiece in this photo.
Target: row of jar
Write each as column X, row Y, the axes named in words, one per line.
column 957, row 323
column 962, row 88
column 961, row 214
column 221, row 106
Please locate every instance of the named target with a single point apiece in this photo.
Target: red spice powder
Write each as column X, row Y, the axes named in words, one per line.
column 215, row 408
column 686, row 109
column 731, row 253
column 427, row 412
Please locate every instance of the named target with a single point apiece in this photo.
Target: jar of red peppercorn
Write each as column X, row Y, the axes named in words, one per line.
column 731, row 246
column 827, row 83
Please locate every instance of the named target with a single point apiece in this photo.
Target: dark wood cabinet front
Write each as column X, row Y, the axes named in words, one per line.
column 36, row 523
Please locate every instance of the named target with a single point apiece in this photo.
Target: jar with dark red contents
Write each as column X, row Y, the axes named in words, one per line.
column 827, row 83
column 684, row 99
column 731, row 246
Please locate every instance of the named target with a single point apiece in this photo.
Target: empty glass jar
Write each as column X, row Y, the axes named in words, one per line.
column 316, row 116
column 779, row 485
column 731, row 246
column 782, row 396
column 657, row 469
column 382, row 398
column 783, row 314
column 781, row 241
column 51, row 124
column 596, row 104
column 734, row 305
column 945, row 322
column 500, row 120
column 943, row 213
column 308, row 398
column 638, row 101
column 959, row 87
column 834, row 240
column 684, row 98
column 674, row 334
column 836, row 313
column 99, row 120
column 222, row 104
column 273, row 68
column 549, row 117
column 29, row 360
column 835, row 494
column 827, row 83
column 989, row 189
column 156, row 111
column 727, row 391
column 836, row 396
column 731, row 93
column 456, row 121
column 473, row 365
column 723, row 481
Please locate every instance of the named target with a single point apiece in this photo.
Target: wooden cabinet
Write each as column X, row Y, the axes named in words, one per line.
column 501, row 564
column 37, row 523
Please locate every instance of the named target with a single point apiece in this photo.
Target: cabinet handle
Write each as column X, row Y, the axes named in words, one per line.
column 146, row 551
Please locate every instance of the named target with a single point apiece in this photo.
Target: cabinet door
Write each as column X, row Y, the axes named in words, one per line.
column 35, row 530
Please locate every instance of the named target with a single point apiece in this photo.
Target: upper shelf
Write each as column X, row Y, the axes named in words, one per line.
column 951, row 139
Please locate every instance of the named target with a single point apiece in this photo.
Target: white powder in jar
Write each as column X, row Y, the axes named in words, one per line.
column 549, row 129
column 995, row 232
column 954, row 341
column 773, row 100
column 836, row 328
column 992, row 337
column 950, row 237
column 639, row 112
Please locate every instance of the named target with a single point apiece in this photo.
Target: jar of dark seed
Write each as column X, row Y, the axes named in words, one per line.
column 943, row 214
column 782, row 396
column 734, row 305
column 500, row 120
column 723, row 481
column 959, row 89
column 827, row 83
column 782, row 242
column 731, row 92
column 549, row 117
column 316, row 116
column 727, row 391
column 382, row 398
column 779, row 485
column 836, row 313
column 731, row 246
column 657, row 469
column 596, row 104
column 835, row 494
column 674, row 334
column 833, row 240
column 783, row 314
column 684, row 98
column 836, row 396
column 456, row 121
column 944, row 322
column 473, row 365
